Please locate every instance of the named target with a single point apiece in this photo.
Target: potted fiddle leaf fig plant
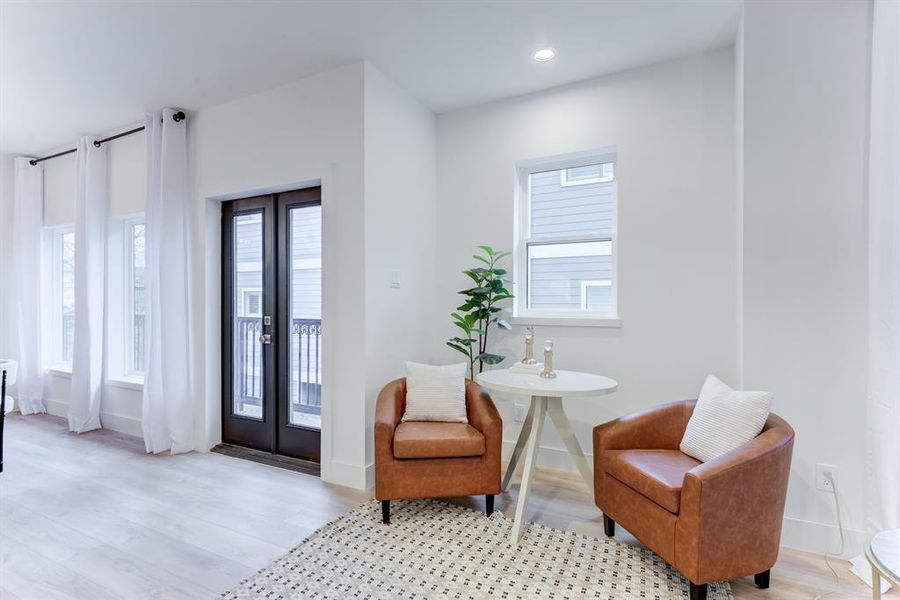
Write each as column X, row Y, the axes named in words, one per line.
column 481, row 309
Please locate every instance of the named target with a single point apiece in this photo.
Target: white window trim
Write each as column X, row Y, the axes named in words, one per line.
column 522, row 315
column 251, row 290
column 591, row 283
column 564, row 178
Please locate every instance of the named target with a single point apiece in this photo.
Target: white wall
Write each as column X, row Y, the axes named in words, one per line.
column 804, row 289
column 400, row 170
column 673, row 125
column 303, row 133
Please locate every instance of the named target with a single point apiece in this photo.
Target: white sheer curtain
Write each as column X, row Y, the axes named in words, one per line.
column 883, row 470
column 28, row 184
column 91, row 213
column 168, row 409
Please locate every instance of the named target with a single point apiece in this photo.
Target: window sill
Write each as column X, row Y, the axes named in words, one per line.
column 556, row 321
column 59, row 371
column 128, row 383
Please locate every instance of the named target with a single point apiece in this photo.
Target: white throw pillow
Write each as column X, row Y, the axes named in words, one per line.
column 724, row 419
column 436, row 393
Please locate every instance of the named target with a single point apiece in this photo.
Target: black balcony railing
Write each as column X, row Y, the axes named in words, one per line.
column 305, row 363
column 306, row 388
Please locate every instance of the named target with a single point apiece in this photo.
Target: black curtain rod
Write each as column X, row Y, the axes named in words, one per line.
column 179, row 116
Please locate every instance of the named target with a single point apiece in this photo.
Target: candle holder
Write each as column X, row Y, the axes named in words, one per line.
column 548, row 372
column 529, row 347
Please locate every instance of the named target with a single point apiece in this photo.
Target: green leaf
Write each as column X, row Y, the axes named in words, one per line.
column 487, row 249
column 482, row 259
column 477, row 291
column 491, row 359
column 459, row 348
column 474, row 277
column 499, row 271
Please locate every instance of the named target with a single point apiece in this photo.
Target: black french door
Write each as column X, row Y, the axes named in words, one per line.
column 271, row 323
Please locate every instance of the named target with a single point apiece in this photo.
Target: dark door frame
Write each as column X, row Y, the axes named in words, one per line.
column 273, row 432
column 307, row 445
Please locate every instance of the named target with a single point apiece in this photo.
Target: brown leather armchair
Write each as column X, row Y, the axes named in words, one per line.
column 419, row 459
column 712, row 521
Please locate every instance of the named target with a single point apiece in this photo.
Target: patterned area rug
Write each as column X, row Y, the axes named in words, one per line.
column 436, row 550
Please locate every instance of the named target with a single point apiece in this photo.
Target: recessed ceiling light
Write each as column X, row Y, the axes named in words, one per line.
column 544, row 54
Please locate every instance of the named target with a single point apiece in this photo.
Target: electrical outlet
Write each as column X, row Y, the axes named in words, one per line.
column 521, row 411
column 822, row 482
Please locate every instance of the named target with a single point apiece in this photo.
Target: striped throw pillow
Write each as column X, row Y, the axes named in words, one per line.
column 436, row 393
column 724, row 419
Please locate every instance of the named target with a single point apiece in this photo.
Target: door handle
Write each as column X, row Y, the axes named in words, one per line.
column 265, row 338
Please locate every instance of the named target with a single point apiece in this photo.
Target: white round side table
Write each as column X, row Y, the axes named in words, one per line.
column 546, row 397
column 883, row 554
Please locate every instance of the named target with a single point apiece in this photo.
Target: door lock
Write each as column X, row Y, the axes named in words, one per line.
column 265, row 338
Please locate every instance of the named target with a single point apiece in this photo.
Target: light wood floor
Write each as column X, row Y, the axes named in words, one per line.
column 94, row 516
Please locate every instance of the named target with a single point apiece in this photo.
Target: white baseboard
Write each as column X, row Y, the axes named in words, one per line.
column 360, row 477
column 113, row 422
column 821, row 538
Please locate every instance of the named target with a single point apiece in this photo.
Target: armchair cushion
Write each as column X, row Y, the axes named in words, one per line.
column 655, row 474
column 724, row 419
column 419, row 439
column 435, row 393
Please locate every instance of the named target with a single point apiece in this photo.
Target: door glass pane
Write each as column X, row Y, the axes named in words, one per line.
column 247, row 300
column 305, row 236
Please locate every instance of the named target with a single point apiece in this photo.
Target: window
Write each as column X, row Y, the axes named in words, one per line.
column 60, row 314
column 252, row 303
column 67, row 294
column 565, row 260
column 134, row 294
column 597, row 173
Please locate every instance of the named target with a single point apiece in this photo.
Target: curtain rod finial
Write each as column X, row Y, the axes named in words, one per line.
column 32, row 162
column 179, row 116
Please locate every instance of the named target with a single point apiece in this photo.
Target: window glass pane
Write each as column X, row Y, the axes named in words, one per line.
column 67, row 262
column 305, row 402
column 137, row 296
column 248, row 277
column 586, row 209
column 588, row 173
column 564, row 276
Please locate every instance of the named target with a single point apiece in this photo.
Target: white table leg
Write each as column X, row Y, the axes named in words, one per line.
column 520, row 445
column 531, row 448
column 561, row 421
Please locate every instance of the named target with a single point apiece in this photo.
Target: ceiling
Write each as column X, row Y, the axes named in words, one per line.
column 74, row 67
